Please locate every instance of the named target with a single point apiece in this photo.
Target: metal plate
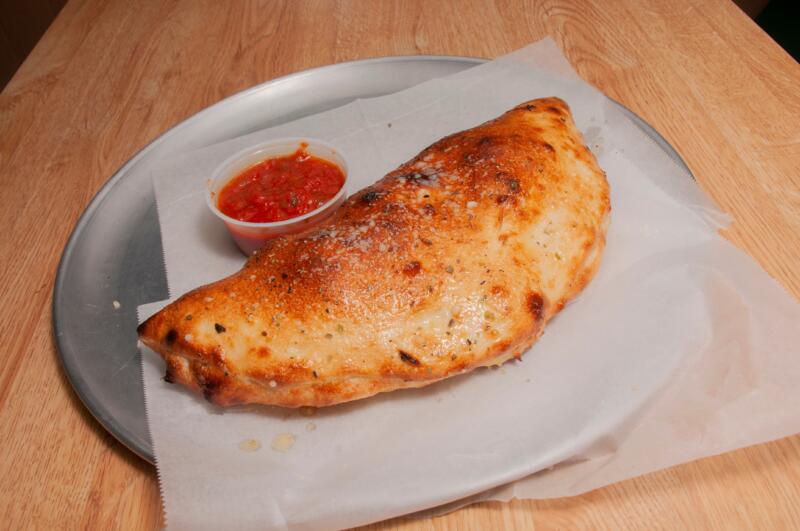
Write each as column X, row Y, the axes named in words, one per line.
column 115, row 254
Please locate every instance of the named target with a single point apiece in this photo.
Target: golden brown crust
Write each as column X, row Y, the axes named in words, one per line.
column 453, row 261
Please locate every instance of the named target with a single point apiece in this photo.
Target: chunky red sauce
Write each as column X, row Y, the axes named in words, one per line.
column 281, row 188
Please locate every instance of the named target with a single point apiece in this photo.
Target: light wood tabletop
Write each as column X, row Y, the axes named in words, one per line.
column 110, row 76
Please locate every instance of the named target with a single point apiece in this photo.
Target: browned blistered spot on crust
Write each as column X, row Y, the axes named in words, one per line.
column 262, row 352
column 370, row 196
column 412, row 269
column 211, row 379
column 218, row 357
column 332, row 390
column 498, row 290
column 536, row 305
column 408, row 358
column 171, row 336
column 459, row 364
column 501, row 346
column 172, row 369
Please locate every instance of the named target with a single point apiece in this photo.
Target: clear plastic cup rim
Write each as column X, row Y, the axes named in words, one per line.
column 252, row 155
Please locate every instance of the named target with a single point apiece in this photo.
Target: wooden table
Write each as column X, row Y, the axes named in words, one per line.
column 108, row 77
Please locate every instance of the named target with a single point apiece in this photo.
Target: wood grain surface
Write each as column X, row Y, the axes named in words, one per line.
column 110, row 76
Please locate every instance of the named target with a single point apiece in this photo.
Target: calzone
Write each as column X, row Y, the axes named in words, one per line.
column 455, row 260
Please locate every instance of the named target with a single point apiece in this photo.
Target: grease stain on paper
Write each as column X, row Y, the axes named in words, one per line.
column 283, row 442
column 250, row 445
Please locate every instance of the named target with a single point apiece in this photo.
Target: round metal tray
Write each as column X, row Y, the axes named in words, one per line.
column 114, row 255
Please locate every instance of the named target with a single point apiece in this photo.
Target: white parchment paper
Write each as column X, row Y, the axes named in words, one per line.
column 680, row 348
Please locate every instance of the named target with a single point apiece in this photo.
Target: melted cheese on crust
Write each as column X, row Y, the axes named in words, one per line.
column 455, row 260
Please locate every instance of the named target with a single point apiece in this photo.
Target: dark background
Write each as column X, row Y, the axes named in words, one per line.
column 23, row 22
column 781, row 19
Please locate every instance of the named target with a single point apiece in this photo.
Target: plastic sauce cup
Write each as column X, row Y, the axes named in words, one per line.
column 250, row 237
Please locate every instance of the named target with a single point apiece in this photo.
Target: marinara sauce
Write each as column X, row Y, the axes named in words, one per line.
column 281, row 188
